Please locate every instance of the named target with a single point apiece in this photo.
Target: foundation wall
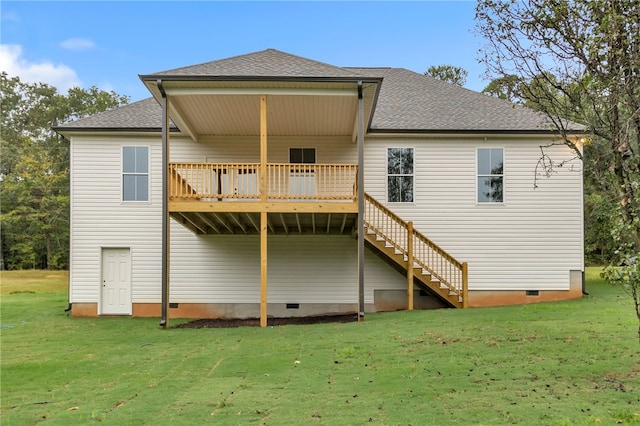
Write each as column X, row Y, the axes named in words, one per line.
column 227, row 310
column 384, row 301
column 517, row 297
column 84, row 309
column 396, row 300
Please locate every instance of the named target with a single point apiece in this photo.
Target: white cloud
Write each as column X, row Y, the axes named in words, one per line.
column 77, row 44
column 59, row 76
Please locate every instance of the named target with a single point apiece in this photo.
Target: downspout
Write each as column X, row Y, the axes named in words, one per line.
column 69, row 295
column 164, row 322
column 360, row 203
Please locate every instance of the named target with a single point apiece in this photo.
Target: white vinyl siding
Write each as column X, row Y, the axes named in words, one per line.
column 530, row 242
column 301, row 269
column 100, row 219
column 206, row 268
column 247, row 149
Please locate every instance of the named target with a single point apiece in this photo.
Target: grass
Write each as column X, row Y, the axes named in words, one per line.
column 566, row 363
column 33, row 281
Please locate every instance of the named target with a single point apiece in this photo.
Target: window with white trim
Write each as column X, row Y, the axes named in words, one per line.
column 490, row 175
column 135, row 173
column 400, row 175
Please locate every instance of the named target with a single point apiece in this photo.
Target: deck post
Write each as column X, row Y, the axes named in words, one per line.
column 263, row 269
column 465, row 285
column 263, row 213
column 410, row 266
column 164, row 322
column 360, row 183
column 263, row 148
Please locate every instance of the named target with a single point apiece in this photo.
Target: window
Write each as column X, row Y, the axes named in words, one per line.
column 400, row 175
column 302, row 155
column 490, row 175
column 135, row 173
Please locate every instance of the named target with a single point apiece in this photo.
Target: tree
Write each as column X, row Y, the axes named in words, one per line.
column 505, row 88
column 34, row 169
column 580, row 60
column 448, row 73
column 598, row 211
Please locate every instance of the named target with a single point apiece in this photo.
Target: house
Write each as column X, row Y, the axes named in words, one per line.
column 268, row 184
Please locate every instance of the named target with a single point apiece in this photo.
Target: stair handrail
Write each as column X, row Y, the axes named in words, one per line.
column 455, row 281
column 179, row 186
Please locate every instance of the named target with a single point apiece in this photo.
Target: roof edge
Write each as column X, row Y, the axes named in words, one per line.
column 155, row 77
column 60, row 129
column 374, row 132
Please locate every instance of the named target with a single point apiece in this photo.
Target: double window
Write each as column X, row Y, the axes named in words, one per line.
column 400, row 175
column 135, row 173
column 302, row 155
column 490, row 175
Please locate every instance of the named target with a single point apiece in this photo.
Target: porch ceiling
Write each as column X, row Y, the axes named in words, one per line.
column 293, row 108
column 239, row 115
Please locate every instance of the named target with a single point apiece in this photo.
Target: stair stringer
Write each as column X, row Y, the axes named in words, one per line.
column 434, row 269
column 421, row 278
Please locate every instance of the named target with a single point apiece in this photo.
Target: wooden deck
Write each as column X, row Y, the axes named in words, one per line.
column 303, row 199
column 226, row 198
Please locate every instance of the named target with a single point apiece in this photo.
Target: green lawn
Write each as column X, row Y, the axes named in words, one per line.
column 564, row 363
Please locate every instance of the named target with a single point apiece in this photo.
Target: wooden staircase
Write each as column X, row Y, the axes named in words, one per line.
column 427, row 266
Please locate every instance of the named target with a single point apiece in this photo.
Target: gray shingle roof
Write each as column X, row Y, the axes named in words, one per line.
column 417, row 102
column 407, row 101
column 265, row 63
column 140, row 115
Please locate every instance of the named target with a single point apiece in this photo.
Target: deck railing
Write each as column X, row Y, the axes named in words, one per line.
column 285, row 181
column 426, row 254
column 311, row 181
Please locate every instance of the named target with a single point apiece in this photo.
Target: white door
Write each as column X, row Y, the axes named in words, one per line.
column 116, row 281
column 302, row 179
column 237, row 183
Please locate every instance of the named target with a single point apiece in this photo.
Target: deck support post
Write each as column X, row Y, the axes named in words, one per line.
column 263, row 148
column 465, row 285
column 360, row 184
column 263, row 213
column 263, row 269
column 410, row 266
column 164, row 322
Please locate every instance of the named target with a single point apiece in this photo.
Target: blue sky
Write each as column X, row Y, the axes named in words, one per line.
column 108, row 44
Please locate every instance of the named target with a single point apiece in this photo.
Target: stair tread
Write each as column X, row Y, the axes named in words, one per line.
column 423, row 277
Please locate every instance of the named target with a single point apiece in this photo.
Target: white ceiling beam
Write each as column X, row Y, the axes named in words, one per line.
column 183, row 124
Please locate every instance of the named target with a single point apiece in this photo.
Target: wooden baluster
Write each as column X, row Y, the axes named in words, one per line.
column 410, row 266
column 199, row 179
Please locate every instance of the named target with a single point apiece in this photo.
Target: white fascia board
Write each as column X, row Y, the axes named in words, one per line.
column 259, row 91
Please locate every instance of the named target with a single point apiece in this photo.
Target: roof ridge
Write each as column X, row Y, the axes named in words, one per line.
column 264, row 63
column 371, row 68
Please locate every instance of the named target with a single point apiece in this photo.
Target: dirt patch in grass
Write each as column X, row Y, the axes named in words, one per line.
column 255, row 322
